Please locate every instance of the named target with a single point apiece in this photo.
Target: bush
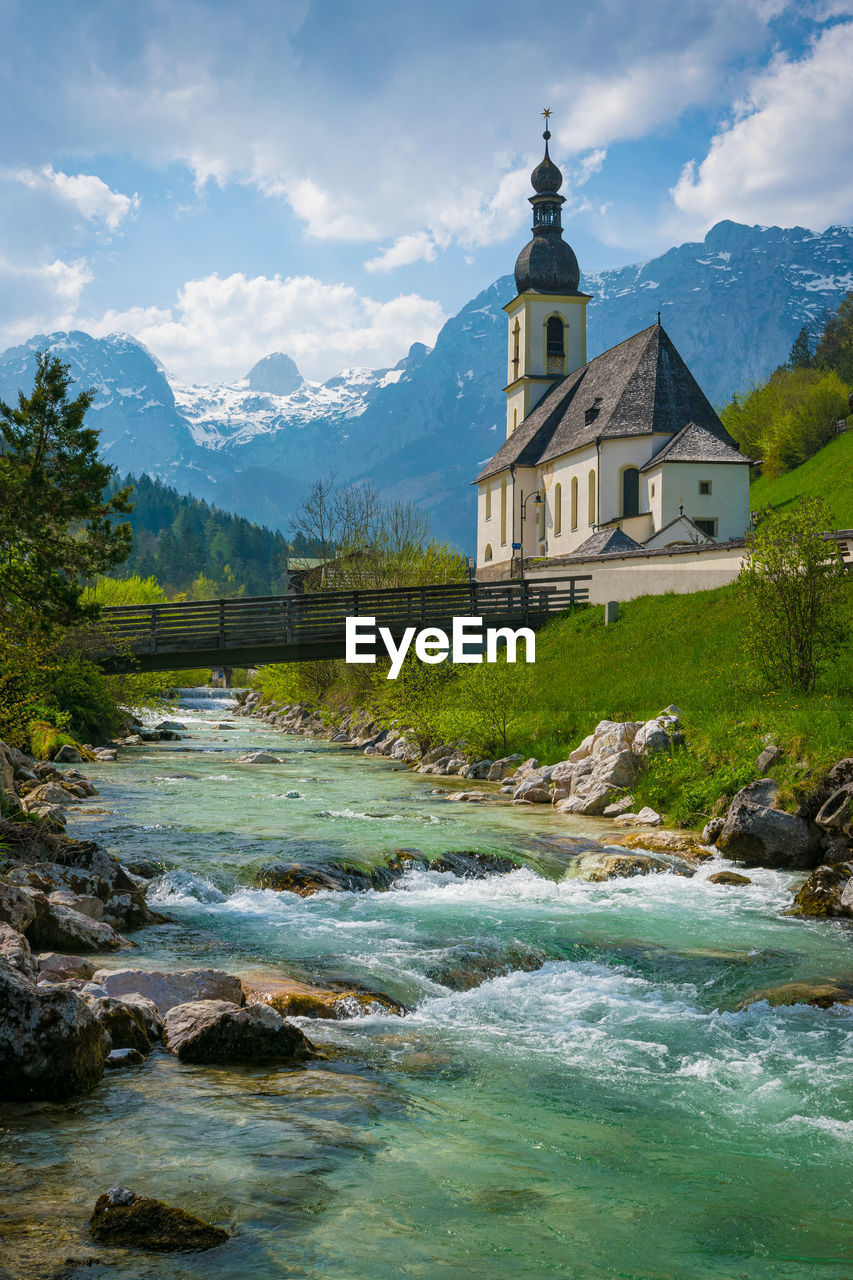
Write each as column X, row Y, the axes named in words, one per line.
column 789, row 418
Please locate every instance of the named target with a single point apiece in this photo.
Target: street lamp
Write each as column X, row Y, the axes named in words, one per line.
column 538, row 500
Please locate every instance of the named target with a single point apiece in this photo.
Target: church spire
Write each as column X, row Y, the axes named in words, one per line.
column 547, row 264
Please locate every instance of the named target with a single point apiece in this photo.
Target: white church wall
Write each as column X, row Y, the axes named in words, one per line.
column 616, row 456
column 626, row 578
column 559, row 475
column 683, row 483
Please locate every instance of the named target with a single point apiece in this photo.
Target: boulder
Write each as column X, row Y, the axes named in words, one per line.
column 123, row 1218
column 598, row 867
column 86, row 904
column 503, row 767
column 767, row 759
column 712, row 829
column 758, row 834
column 132, row 1023
column 210, row 1031
column 166, row 990
column 562, row 772
column 293, row 999
column 683, row 842
column 619, row 807
column 175, row 726
column 828, row 892
column 821, row 993
column 534, row 789
column 581, row 752
column 468, row 965
column 613, row 736
column 650, row 737
column 67, row 755
column 51, row 1044
column 62, row 928
column 258, row 757
column 118, row 1059
column 15, row 950
column 479, row 770
column 645, row 818
column 728, row 877
column 62, row 967
column 17, row 907
column 49, row 793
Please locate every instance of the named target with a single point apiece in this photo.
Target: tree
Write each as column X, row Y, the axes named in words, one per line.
column 835, row 348
column 789, row 418
column 800, row 355
column 57, row 527
column 796, row 593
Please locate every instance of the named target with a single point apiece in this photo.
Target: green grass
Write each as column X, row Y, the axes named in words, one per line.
column 686, row 650
column 829, row 474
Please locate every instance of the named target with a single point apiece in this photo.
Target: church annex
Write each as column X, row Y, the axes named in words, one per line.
column 618, row 454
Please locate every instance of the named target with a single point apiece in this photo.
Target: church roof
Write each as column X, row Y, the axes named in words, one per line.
column 640, row 387
column 606, row 542
column 695, row 444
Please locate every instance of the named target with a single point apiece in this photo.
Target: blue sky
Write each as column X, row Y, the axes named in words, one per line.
column 334, row 179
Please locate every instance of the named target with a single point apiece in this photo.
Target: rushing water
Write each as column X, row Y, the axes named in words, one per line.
column 606, row 1115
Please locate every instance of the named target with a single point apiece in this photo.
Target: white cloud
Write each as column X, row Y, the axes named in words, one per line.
column 787, row 155
column 418, row 247
column 219, row 327
column 86, row 192
column 39, row 298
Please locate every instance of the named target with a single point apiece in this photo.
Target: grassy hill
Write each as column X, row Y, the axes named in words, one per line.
column 828, row 474
column 686, row 650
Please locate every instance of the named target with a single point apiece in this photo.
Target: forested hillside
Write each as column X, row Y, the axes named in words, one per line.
column 179, row 540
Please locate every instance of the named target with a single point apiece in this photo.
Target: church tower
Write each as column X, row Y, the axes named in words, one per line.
column 547, row 318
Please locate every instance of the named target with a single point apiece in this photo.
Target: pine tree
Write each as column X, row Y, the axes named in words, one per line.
column 835, row 348
column 800, row 356
column 57, row 523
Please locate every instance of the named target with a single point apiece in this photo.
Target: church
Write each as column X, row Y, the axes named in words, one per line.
column 621, row 454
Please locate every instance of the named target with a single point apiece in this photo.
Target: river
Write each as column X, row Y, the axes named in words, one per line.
column 607, row 1115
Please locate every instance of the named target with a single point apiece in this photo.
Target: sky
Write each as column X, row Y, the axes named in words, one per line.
column 335, row 178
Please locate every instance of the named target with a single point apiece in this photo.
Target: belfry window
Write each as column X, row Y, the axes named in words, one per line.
column 555, row 344
column 516, row 348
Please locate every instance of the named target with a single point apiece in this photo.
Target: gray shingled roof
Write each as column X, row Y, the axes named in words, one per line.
column 606, row 541
column 640, row 387
column 695, row 444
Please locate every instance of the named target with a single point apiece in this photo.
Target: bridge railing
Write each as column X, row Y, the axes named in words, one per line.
column 267, row 621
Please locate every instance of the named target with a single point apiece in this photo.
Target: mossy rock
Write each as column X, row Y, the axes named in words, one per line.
column 123, row 1218
column 819, row 993
column 293, row 999
column 615, row 866
column 823, row 894
column 687, row 842
column 728, row 877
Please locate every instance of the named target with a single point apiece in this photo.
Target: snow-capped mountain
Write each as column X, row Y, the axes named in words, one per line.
column 732, row 304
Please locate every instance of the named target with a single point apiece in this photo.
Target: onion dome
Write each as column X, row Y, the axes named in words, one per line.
column 547, row 264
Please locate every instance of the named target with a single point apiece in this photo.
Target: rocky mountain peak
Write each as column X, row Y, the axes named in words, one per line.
column 275, row 374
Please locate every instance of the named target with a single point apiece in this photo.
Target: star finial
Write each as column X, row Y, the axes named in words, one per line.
column 547, row 114
column 547, row 134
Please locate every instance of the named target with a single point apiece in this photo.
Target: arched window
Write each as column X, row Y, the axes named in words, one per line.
column 514, row 419
column 590, row 499
column 488, row 502
column 555, row 344
column 542, row 511
column 503, row 511
column 487, row 554
column 558, row 510
column 574, row 502
column 630, row 492
column 516, row 349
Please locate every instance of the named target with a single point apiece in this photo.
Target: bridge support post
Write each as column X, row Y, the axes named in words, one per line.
column 227, row 677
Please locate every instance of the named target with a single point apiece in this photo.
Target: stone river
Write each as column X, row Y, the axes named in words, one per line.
column 595, row 1108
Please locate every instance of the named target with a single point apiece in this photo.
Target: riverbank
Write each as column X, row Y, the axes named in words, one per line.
column 571, row 1059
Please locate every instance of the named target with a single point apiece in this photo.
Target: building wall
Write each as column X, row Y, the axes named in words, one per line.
column 625, row 578
column 727, row 503
column 528, row 382
column 524, row 481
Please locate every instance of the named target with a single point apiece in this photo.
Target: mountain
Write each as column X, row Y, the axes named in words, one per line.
column 732, row 304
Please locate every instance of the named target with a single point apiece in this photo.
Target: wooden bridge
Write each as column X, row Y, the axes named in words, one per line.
column 249, row 631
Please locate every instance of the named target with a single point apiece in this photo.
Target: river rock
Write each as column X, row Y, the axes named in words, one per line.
column 123, row 1218
column 469, row 965
column 651, row 737
column 473, row 865
column 210, row 1031
column 62, row 967
column 258, row 757
column 758, row 834
column 62, row 928
column 174, row 726
column 598, row 867
column 581, row 752
column 67, row 755
column 166, row 990
column 503, row 767
column 293, row 999
column 828, row 892
column 17, row 907
column 821, row 994
column 836, row 814
column 118, row 1059
column 646, row 817
column 712, row 829
column 132, row 1023
column 306, row 879
column 86, row 904
column 51, row 1044
column 15, row 950
column 728, row 877
column 683, row 842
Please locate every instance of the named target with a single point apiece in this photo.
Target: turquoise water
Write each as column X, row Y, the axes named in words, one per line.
column 606, row 1115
